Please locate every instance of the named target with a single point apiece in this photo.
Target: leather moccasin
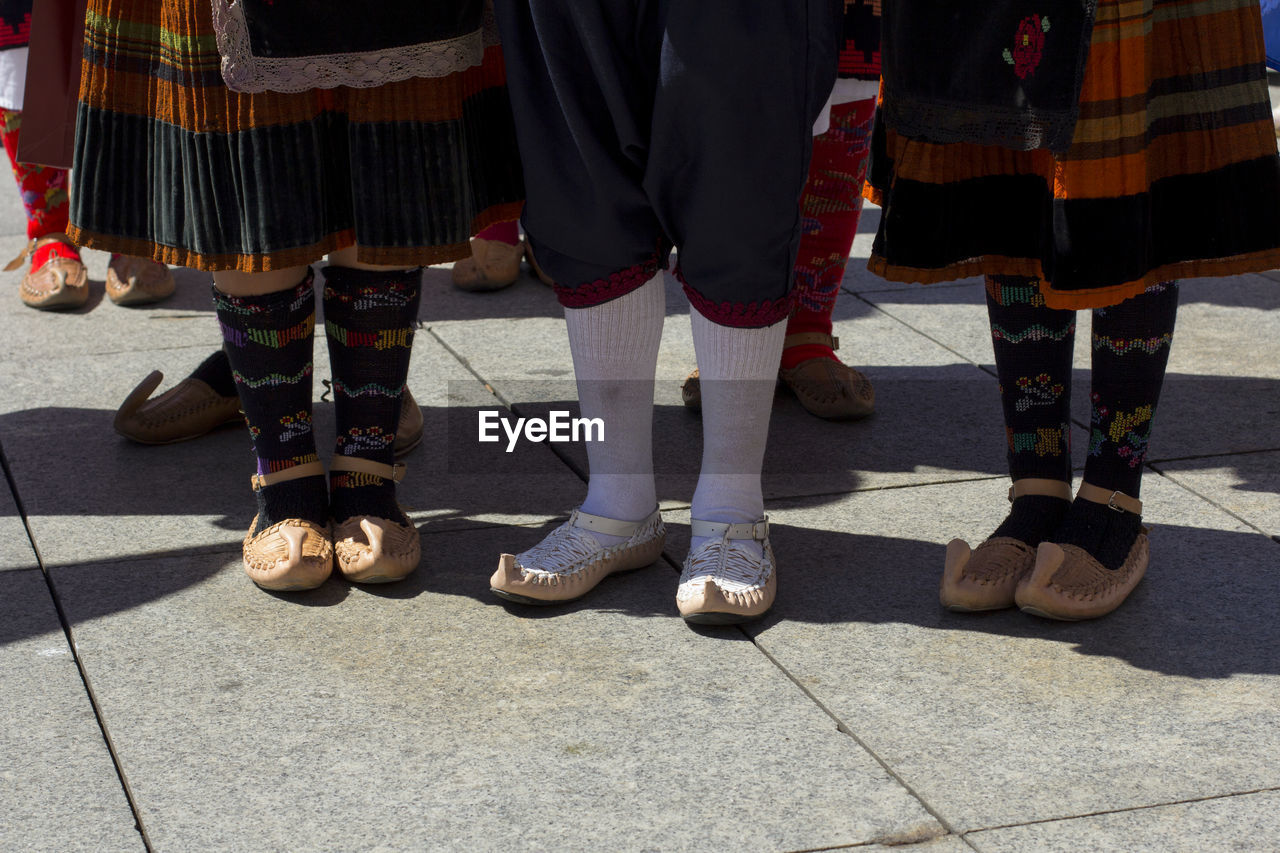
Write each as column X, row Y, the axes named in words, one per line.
column 570, row 562
column 61, row 283
column 830, row 389
column 986, row 577
column 826, row 387
column 187, row 410
column 293, row 554
column 493, row 265
column 137, row 281
column 1068, row 583
column 724, row 583
column 369, row 549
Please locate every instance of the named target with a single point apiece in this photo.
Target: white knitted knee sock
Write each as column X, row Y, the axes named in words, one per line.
column 738, row 370
column 615, row 356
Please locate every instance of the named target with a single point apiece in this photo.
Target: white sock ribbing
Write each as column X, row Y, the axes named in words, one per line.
column 738, row 369
column 615, row 356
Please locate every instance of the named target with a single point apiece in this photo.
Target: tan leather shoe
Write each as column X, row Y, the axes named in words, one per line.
column 985, row 579
column 1069, row 584
column 409, row 427
column 187, row 410
column 827, row 388
column 58, row 285
column 137, row 281
column 493, row 265
column 371, row 549
column 691, row 391
column 722, row 583
column 570, row 562
column 290, row 555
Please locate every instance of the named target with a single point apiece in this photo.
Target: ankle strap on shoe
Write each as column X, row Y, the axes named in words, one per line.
column 1116, row 500
column 757, row 530
column 394, row 473
column 35, row 243
column 1028, row 486
column 296, row 472
column 608, row 526
column 800, row 339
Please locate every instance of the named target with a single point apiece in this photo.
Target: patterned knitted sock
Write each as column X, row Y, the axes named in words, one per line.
column 44, row 194
column 1033, row 347
column 369, row 318
column 615, row 355
column 1130, row 353
column 267, row 340
column 215, row 371
column 831, row 205
column 739, row 370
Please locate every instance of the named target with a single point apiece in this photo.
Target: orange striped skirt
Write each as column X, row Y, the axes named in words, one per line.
column 1172, row 170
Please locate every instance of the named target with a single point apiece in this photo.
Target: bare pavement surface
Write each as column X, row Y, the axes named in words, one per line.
column 153, row 698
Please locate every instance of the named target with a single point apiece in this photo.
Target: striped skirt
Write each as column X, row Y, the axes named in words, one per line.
column 172, row 165
column 1172, row 170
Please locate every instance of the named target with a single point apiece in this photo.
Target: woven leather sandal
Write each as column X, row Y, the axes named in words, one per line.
column 137, row 281
column 371, row 549
column 827, row 388
column 724, row 584
column 187, row 410
column 570, row 562
column 986, row 577
column 60, row 283
column 290, row 555
column 1068, row 584
column 493, row 265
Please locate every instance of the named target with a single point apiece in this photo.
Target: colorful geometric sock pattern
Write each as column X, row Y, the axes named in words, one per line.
column 1033, row 345
column 830, row 206
column 1130, row 353
column 369, row 318
column 268, row 343
column 44, row 193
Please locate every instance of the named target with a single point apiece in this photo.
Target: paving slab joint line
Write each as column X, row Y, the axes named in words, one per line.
column 848, row 732
column 75, row 655
column 904, row 842
column 1181, row 485
column 1145, row 807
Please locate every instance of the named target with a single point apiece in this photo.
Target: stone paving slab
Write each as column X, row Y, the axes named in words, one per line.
column 428, row 715
column 1242, row 823
column 1246, row 485
column 1003, row 718
column 58, row 788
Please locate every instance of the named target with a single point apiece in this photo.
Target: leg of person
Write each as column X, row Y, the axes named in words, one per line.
column 832, row 204
column 581, row 78
column 268, row 321
column 369, row 317
column 731, row 142
column 56, row 279
column 1099, row 552
column 1033, row 347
